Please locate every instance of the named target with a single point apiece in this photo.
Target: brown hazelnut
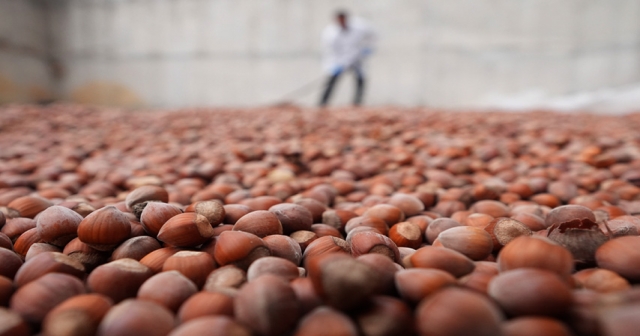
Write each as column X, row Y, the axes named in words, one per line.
column 406, row 234
column 119, row 279
column 503, row 230
column 23, row 243
column 315, row 207
column 390, row 214
column 225, row 279
column 293, row 217
column 29, row 206
column 326, row 244
column 155, row 214
column 415, row 284
column 620, row 255
column 5, row 242
column 17, row 226
column 239, row 248
column 78, row 315
column 386, row 270
column 89, row 257
column 261, row 223
column 326, row 321
column 137, row 317
column 337, row 218
column 104, row 228
column 212, row 210
column 273, row 265
column 601, row 280
column 386, row 315
column 481, row 316
column 155, row 260
column 135, row 248
column 6, row 290
column 530, row 291
column 169, row 289
column 494, row 209
column 370, row 242
column 473, row 242
column 322, row 230
column 456, row 263
column 12, row 324
column 284, row 247
column 218, row 325
column 205, row 304
column 48, row 262
column 536, row 252
column 306, row 294
column 303, row 238
column 376, row 223
column 146, row 193
column 268, row 305
column 437, row 226
column 57, row 225
column 34, row 300
column 233, row 212
column 535, row 325
column 193, row 264
column 38, row 248
column 186, row 229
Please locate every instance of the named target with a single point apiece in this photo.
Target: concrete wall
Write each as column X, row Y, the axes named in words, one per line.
column 25, row 72
column 444, row 53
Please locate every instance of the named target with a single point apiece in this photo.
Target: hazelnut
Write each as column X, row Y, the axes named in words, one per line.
column 23, row 243
column 57, row 225
column 155, row 214
column 135, row 248
column 17, row 226
column 169, row 289
column 261, row 223
column 337, row 218
column 435, row 314
column 5, row 242
column 536, row 252
column 10, row 263
column 220, row 325
column 494, row 209
column 48, row 262
column 34, row 300
column 193, row 264
column 303, row 238
column 620, row 255
column 293, row 217
column 453, row 262
column 315, row 207
column 409, row 205
column 78, row 315
column 326, row 321
column 479, row 279
column 233, row 212
column 104, row 228
column 306, row 294
column 503, row 230
column 530, row 291
column 371, row 242
column 273, row 265
column 601, row 280
column 437, row 226
column 155, row 260
column 386, row 270
column 406, row 234
column 12, row 324
column 322, row 230
column 89, row 257
column 205, row 304
column 29, row 206
column 225, row 279
column 146, row 193
column 137, row 317
column 418, row 283
column 386, row 315
column 326, row 244
column 38, row 248
column 535, row 325
column 239, row 248
column 342, row 281
column 268, row 305
column 473, row 242
column 186, row 229
column 373, row 222
column 118, row 280
column 390, row 214
column 6, row 290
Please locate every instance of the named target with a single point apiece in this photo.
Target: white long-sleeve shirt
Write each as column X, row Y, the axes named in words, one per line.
column 346, row 48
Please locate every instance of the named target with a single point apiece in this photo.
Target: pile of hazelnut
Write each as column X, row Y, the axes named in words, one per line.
column 288, row 221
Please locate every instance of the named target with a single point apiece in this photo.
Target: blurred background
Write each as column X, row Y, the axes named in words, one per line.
column 511, row 54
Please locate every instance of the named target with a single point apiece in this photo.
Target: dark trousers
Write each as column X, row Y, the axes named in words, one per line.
column 331, row 82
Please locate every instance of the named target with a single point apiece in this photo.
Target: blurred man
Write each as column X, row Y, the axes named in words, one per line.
column 347, row 42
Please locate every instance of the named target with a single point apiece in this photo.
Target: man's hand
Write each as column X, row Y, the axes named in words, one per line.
column 337, row 70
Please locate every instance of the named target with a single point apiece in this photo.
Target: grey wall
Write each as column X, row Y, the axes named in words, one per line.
column 444, row 53
column 25, row 74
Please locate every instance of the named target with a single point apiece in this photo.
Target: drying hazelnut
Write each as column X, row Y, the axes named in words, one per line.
column 303, row 238
column 193, row 264
column 532, row 221
column 239, row 248
column 385, row 269
column 23, row 243
column 337, row 218
column 273, row 265
column 373, row 222
column 306, row 294
column 137, row 317
column 406, row 234
column 453, row 262
column 169, row 289
column 89, row 257
column 268, row 305
column 186, row 229
column 6, row 290
column 5, row 242
column 322, row 230
column 212, row 210
column 390, row 214
column 530, row 291
column 105, row 228
column 440, row 314
column 409, row 205
column 601, row 280
column 79, row 315
column 118, row 279
column 17, row 226
column 315, row 207
column 494, row 209
column 38, row 248
column 261, row 223
column 233, row 212
column 503, row 230
column 57, row 225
